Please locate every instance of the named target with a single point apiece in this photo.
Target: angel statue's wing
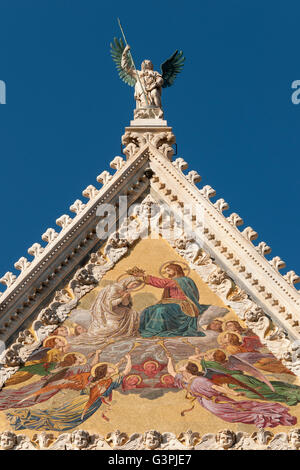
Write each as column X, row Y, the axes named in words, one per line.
column 116, row 49
column 172, row 67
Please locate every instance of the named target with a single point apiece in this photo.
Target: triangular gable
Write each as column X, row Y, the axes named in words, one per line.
column 75, row 260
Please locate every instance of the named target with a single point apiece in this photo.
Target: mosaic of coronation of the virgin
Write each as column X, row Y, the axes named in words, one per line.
column 151, row 347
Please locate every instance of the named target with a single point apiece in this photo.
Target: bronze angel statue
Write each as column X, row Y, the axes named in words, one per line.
column 147, row 82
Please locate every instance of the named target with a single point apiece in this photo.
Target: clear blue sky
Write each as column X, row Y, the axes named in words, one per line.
column 230, row 109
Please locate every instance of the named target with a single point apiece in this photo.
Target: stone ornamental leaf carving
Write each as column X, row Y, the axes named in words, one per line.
column 221, row 205
column 235, row 220
column 64, row 221
column 116, row 439
column 180, row 164
column 77, row 206
column 277, row 263
column 36, row 250
column 189, row 438
column 292, row 278
column 8, row 279
column 193, row 177
column 90, row 192
column 22, row 264
column 207, row 191
column 249, row 234
column 263, row 248
column 117, row 163
column 50, row 235
column 104, row 178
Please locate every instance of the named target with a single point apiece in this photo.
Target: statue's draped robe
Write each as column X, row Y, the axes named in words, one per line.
column 261, row 414
column 178, row 311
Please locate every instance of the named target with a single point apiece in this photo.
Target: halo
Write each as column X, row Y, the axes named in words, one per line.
column 134, row 375
column 78, row 354
column 109, row 364
column 151, row 362
column 54, row 336
column 216, row 349
column 184, row 362
column 184, row 266
column 229, row 320
column 163, row 377
column 138, row 280
column 221, row 335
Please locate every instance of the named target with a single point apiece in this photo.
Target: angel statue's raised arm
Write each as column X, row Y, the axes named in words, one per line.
column 147, row 82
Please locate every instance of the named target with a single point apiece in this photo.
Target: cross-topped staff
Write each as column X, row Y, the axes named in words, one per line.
column 137, row 74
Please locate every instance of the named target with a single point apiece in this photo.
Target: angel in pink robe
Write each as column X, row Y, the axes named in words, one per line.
column 215, row 399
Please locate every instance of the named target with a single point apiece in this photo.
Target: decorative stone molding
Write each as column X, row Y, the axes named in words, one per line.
column 22, row 264
column 180, row 164
column 263, row 248
column 64, row 221
column 77, row 206
column 221, row 205
column 36, row 250
column 153, row 440
column 104, row 178
column 8, row 279
column 136, row 138
column 50, row 235
column 292, row 278
column 235, row 220
column 277, row 263
column 117, row 163
column 90, row 192
column 207, row 191
column 193, row 177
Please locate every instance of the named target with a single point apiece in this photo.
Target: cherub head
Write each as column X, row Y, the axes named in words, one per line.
column 80, row 439
column 151, row 368
column 8, row 440
column 226, row 438
column 294, row 438
column 152, row 439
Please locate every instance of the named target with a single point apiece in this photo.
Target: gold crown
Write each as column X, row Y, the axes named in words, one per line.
column 135, row 271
